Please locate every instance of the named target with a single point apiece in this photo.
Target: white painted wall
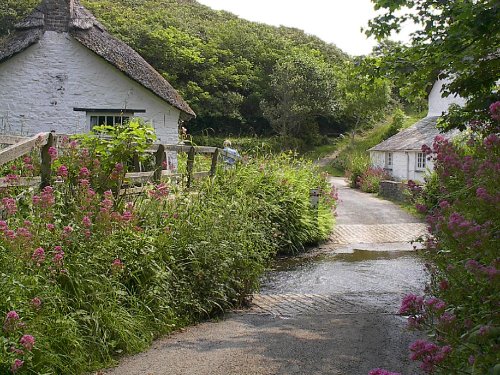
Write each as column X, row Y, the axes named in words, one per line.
column 404, row 165
column 439, row 104
column 40, row 86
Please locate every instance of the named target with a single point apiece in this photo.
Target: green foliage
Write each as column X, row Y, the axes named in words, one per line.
column 460, row 201
column 91, row 276
column 303, row 87
column 397, row 123
column 366, row 97
column 356, row 168
column 456, row 39
column 219, row 63
column 12, row 11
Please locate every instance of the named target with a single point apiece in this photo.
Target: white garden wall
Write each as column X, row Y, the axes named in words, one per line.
column 40, row 87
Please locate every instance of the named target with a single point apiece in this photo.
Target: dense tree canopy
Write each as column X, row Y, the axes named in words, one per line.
column 457, row 39
column 238, row 76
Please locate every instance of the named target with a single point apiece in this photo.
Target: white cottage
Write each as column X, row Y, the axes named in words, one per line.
column 401, row 155
column 61, row 70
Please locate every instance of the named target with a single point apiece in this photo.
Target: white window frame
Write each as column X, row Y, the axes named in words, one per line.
column 110, row 118
column 389, row 160
column 420, row 161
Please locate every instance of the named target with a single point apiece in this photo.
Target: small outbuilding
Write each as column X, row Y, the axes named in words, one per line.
column 61, row 70
column 401, row 155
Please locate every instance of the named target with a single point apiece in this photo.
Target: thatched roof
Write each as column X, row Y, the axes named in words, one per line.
column 413, row 138
column 71, row 17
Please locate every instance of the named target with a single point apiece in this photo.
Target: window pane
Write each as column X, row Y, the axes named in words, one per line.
column 102, row 120
column 109, row 120
column 93, row 121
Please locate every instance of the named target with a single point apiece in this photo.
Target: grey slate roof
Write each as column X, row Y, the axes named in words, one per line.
column 421, row 133
column 69, row 16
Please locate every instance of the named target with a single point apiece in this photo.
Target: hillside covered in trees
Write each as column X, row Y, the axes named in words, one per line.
column 239, row 76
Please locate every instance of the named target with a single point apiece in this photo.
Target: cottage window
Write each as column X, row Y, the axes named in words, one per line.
column 103, row 116
column 388, row 160
column 420, row 161
column 108, row 119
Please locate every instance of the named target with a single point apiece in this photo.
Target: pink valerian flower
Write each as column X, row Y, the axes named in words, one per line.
column 117, row 266
column 127, row 216
column 62, row 171
column 491, row 140
column 46, row 198
column 24, row 233
column 11, row 321
column 426, row 150
column 58, row 258
column 36, row 302
column 12, row 178
column 429, row 354
column 50, row 226
column 482, row 193
column 444, row 205
column 67, row 230
column 36, row 200
column 10, row 205
column 435, row 304
column 380, row 371
column 10, row 234
column 84, row 173
column 27, row 160
column 28, row 342
column 18, row 363
column 53, row 153
column 159, row 191
column 411, row 304
column 86, row 222
column 38, row 256
column 495, row 110
column 73, row 144
column 447, row 318
column 472, row 360
column 106, row 205
column 444, row 285
column 3, row 225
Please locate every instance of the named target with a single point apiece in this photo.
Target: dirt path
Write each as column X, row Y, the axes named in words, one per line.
column 334, row 313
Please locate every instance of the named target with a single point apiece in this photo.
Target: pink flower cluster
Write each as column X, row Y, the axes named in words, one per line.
column 473, row 266
column 9, row 205
column 159, row 191
column 429, row 354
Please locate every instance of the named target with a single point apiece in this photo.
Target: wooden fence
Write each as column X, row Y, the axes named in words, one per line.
column 19, row 146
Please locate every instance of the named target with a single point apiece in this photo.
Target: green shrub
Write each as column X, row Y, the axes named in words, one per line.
column 357, row 165
column 88, row 274
column 369, row 181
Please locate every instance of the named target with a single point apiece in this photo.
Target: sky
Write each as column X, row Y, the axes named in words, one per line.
column 335, row 21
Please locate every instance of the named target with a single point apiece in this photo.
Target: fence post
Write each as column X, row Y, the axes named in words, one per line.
column 45, row 169
column 137, row 164
column 213, row 167
column 159, row 159
column 190, row 165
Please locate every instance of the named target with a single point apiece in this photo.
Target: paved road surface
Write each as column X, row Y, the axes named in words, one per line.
column 331, row 313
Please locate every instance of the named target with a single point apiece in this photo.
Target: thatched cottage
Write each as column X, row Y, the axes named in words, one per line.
column 61, row 70
column 401, row 155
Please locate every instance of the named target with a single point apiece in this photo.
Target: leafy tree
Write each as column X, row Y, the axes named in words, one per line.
column 303, row 87
column 457, row 39
column 366, row 96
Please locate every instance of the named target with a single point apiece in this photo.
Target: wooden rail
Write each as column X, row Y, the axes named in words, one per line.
column 20, row 146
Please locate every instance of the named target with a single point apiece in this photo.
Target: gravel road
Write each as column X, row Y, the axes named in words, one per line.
column 331, row 313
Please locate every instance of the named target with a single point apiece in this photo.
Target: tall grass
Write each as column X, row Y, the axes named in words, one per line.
column 91, row 276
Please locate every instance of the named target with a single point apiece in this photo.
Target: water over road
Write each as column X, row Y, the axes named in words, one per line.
column 332, row 311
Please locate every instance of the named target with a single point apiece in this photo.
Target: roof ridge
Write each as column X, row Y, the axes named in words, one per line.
column 60, row 16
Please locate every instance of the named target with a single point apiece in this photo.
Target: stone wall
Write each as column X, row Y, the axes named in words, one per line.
column 41, row 86
column 393, row 190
